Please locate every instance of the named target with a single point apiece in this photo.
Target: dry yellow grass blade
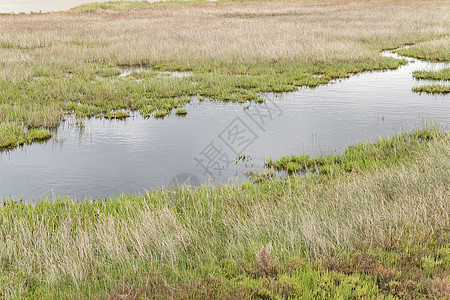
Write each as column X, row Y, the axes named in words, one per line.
column 248, row 32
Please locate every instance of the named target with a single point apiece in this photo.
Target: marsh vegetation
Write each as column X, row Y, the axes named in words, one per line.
column 12, row 136
column 382, row 231
column 363, row 156
column 372, row 222
column 433, row 89
column 435, row 50
column 69, row 62
column 443, row 74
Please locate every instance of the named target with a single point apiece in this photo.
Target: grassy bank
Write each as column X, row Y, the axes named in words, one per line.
column 437, row 50
column 361, row 157
column 443, row 74
column 12, row 136
column 383, row 231
column 74, row 62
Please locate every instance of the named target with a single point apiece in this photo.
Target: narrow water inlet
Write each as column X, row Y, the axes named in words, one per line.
column 112, row 157
column 127, row 71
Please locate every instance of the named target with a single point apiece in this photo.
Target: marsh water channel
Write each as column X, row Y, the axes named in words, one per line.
column 102, row 157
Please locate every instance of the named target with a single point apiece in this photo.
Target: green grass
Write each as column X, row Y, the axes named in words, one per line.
column 62, row 69
column 358, row 158
column 119, row 115
column 259, row 177
column 12, row 136
column 443, row 74
column 381, row 232
column 432, row 89
column 42, row 99
column 181, row 112
column 438, row 50
column 370, row 223
column 160, row 114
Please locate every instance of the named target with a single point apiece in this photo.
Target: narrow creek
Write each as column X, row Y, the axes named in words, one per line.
column 106, row 157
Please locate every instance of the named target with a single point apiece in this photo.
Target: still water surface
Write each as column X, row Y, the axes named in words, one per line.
column 27, row 6
column 112, row 157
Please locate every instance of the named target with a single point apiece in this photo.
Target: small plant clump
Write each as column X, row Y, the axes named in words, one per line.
column 119, row 115
column 292, row 163
column 181, row 112
column 160, row 114
column 260, row 177
column 432, row 89
column 12, row 136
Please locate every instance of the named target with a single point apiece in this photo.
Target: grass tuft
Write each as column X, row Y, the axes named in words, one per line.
column 432, row 89
column 443, row 74
column 181, row 112
column 11, row 136
column 119, row 115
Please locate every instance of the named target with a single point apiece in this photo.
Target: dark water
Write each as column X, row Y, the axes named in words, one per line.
column 112, row 157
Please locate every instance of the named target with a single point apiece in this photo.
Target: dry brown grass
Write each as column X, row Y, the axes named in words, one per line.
column 229, row 33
